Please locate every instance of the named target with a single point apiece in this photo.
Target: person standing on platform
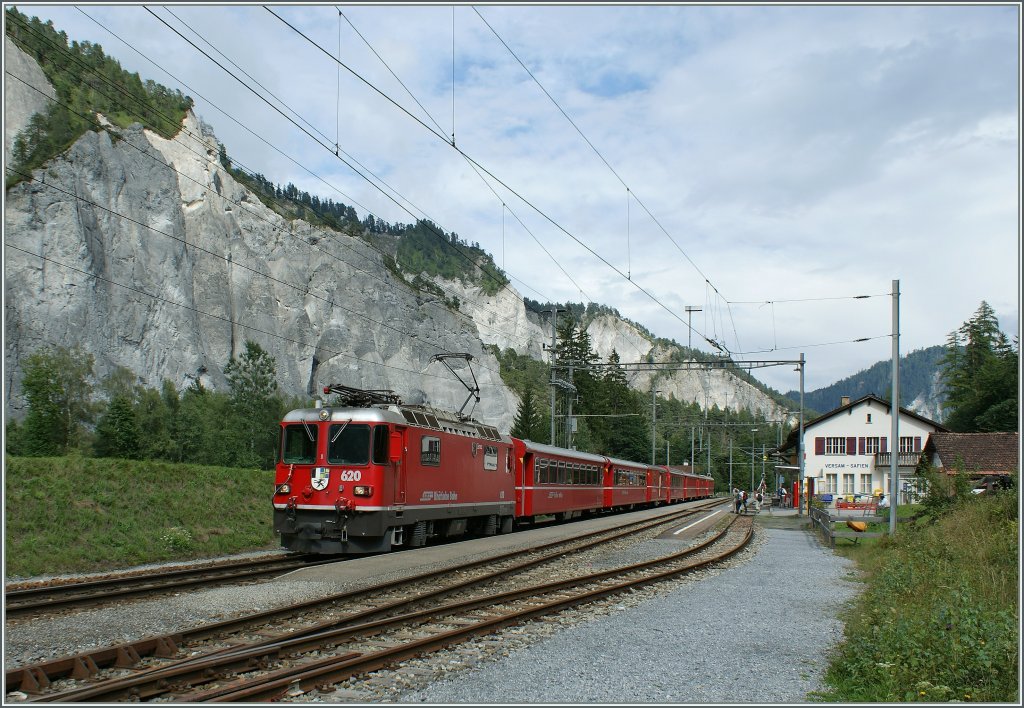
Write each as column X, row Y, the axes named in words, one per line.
column 737, row 498
column 744, row 500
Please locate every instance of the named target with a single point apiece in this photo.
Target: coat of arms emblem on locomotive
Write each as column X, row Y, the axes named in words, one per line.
column 320, row 477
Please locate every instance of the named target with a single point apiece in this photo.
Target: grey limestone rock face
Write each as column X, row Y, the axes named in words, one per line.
column 25, row 93
column 147, row 254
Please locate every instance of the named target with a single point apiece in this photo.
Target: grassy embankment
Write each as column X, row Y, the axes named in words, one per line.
column 66, row 514
column 939, row 618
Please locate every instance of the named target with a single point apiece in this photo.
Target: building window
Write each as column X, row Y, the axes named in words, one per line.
column 871, row 446
column 831, row 483
column 869, row 419
column 865, row 484
column 835, row 446
column 848, row 483
column 906, row 444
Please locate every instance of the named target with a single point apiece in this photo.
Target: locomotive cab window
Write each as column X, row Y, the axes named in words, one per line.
column 298, row 444
column 348, row 444
column 381, row 437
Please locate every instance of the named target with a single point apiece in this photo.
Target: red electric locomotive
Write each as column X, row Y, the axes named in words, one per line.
column 374, row 473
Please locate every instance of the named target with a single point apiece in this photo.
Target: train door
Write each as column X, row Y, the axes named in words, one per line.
column 399, row 463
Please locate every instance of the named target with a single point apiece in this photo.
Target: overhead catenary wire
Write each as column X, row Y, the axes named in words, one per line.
column 427, row 224
column 498, row 180
column 484, row 180
column 274, row 147
column 599, row 155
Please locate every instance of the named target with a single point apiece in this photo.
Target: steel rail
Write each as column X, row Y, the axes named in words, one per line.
column 304, row 677
column 49, row 597
column 36, row 678
column 258, row 655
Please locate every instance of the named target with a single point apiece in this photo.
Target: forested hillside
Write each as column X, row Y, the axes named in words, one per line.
column 918, row 379
column 87, row 82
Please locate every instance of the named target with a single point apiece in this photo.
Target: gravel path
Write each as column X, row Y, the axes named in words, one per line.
column 761, row 635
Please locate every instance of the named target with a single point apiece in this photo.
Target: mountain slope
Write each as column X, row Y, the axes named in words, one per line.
column 921, row 389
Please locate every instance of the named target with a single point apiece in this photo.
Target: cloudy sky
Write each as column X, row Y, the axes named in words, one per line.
column 766, row 164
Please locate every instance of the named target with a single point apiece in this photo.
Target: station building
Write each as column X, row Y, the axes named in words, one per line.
column 848, row 453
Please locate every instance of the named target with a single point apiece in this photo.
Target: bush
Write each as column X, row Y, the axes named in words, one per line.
column 939, row 620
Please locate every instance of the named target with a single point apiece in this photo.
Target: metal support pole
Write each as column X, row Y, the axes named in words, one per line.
column 654, row 417
column 692, row 435
column 568, row 418
column 554, row 335
column 752, row 431
column 690, row 309
column 800, row 442
column 730, row 465
column 894, row 458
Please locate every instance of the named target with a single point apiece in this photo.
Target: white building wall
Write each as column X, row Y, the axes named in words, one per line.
column 868, row 420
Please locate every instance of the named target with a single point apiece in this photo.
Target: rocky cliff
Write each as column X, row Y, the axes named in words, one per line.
column 149, row 255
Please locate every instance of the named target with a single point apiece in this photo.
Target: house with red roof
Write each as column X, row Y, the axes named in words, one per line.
column 989, row 458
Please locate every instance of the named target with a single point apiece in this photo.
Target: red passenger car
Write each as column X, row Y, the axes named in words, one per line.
column 625, row 483
column 553, row 480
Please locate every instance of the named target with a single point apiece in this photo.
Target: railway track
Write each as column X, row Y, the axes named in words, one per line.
column 48, row 598
column 274, row 639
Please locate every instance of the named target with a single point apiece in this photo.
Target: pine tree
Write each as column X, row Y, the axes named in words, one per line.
column 117, row 433
column 528, row 425
column 980, row 372
column 57, row 386
column 256, row 406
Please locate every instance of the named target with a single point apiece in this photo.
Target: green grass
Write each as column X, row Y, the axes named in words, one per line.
column 74, row 514
column 939, row 618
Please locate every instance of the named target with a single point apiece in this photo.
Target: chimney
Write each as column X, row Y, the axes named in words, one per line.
column 844, row 401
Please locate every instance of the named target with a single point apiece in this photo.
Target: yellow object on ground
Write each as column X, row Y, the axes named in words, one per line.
column 857, row 525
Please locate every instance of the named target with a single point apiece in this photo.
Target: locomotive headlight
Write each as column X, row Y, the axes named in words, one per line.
column 362, row 490
column 283, row 489
column 325, row 413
